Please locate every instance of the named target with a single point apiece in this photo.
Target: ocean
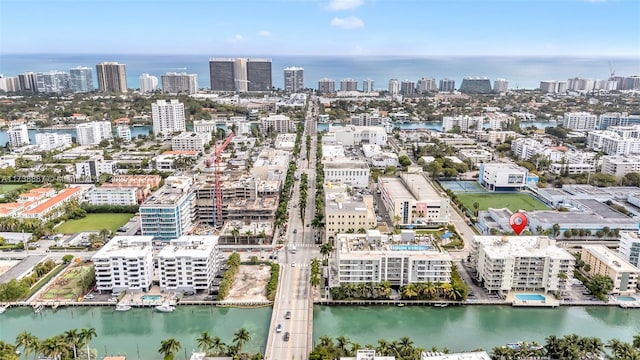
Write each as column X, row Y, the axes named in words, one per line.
column 522, row 72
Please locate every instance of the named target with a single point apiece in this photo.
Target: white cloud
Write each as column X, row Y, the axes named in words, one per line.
column 264, row 33
column 237, row 38
column 350, row 22
column 345, row 4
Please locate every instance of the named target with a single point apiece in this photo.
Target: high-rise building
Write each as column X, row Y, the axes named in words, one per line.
column 168, row 117
column 52, row 81
column 407, row 87
column 394, row 87
column 367, row 85
column 125, row 263
column 580, row 121
column 447, row 85
column 28, row 82
column 81, row 79
column 93, row 133
column 326, row 86
column 170, row 212
column 613, row 119
column 293, row 79
column 222, row 75
column 259, row 74
column 9, row 84
column 475, row 85
column 18, row 135
column 500, row 85
column 112, row 77
column 189, row 263
column 348, row 85
column 148, row 83
column 51, row 141
column 426, row 85
column 176, row 83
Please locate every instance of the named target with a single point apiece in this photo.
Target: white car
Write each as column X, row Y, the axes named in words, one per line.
column 293, row 264
column 89, row 296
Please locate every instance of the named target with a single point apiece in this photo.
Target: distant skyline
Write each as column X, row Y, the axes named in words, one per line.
column 577, row 28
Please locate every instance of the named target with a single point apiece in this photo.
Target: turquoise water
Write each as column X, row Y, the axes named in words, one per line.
column 151, row 297
column 626, row 298
column 411, row 247
column 534, row 297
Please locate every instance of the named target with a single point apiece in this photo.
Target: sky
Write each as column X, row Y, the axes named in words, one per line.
column 604, row 28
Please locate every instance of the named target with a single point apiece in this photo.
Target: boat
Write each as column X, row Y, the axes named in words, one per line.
column 441, row 305
column 400, row 305
column 123, row 307
column 165, row 308
column 3, row 309
column 38, row 308
column 519, row 345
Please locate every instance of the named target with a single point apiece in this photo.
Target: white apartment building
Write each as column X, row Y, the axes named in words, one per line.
column 94, row 167
column 124, row 132
column 476, row 156
column 497, row 120
column 494, row 137
column 604, row 261
column 464, row 123
column 366, row 259
column 629, row 247
column 519, row 263
column 92, row 133
column 426, row 85
column 580, row 121
column 168, row 117
column 352, row 135
column 276, row 124
column 525, row 148
column 613, row 119
column 191, row 141
column 204, row 126
column 271, row 164
column 367, row 85
column 344, row 214
column 500, row 85
column 148, row 83
column 119, row 196
column 498, row 176
column 189, row 263
column 412, row 200
column 179, row 83
column 394, row 87
column 619, row 166
column 18, row 136
column 285, row 141
column 366, row 119
column 125, row 263
column 354, row 173
column 611, row 142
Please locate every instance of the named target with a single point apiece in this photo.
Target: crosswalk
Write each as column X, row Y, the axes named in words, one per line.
column 305, row 245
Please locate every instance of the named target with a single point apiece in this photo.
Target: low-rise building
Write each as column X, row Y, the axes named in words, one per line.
column 169, row 212
column 344, row 214
column 354, row 173
column 603, row 261
column 351, row 135
column 619, row 166
column 188, row 264
column 271, row 164
column 520, row 263
column 629, row 248
column 118, row 196
column 502, row 176
column 53, row 141
column 188, row 141
column 276, row 124
column 91, row 169
column 476, row 156
column 462, row 123
column 285, row 141
column 125, row 263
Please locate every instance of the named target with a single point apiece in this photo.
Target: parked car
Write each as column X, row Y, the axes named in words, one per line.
column 287, row 315
column 279, row 328
column 286, row 336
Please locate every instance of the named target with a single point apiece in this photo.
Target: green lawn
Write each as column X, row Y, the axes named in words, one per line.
column 5, row 188
column 513, row 202
column 94, row 222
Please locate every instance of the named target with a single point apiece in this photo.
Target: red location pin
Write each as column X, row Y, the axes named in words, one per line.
column 518, row 222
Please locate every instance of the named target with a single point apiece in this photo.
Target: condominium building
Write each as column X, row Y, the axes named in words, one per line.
column 326, row 86
column 95, row 166
column 604, row 261
column 394, row 87
column 366, row 119
column 580, row 121
column 18, row 136
column 613, row 142
column 179, row 83
column 367, row 86
column 475, row 85
column 168, row 117
column 191, row 141
column 351, row 135
column 619, row 166
column 52, row 81
column 502, row 176
column 464, row 123
column 240, row 74
column 368, row 259
column 92, row 133
column 52, row 141
column 124, row 264
column 259, row 75
column 613, row 119
column 629, row 247
column 204, row 126
column 407, row 87
column 520, row 263
column 169, row 212
column 188, row 264
column 354, row 173
column 447, row 85
column 271, row 164
column 276, row 124
column 349, row 85
column 410, row 199
column 500, row 85
column 118, row 196
column 81, row 79
column 293, row 79
column 28, row 82
column 9, row 83
column 524, row 148
column 112, row 77
column 124, row 132
column 426, row 85
column 148, row 83
column 476, row 156
column 345, row 214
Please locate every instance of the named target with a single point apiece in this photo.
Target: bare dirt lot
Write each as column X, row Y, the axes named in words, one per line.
column 250, row 283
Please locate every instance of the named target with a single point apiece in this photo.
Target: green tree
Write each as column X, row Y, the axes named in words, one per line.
column 88, row 335
column 168, row 348
column 205, row 341
column 240, row 338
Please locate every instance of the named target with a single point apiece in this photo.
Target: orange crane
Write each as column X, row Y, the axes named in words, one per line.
column 217, row 200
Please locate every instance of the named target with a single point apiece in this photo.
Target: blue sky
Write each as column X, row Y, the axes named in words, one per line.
column 323, row 27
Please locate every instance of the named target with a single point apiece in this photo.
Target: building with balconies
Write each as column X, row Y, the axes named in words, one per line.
column 188, row 264
column 124, row 264
column 604, row 261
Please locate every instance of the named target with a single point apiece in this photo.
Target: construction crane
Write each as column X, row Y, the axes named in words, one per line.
column 217, row 199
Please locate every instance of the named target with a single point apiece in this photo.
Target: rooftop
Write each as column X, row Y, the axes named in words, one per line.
column 125, row 246
column 167, row 195
column 521, row 246
column 610, row 258
column 189, row 246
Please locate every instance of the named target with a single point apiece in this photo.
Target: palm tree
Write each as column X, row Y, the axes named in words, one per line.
column 476, row 206
column 326, row 249
column 217, row 346
column 87, row 335
column 241, row 337
column 204, row 341
column 406, row 345
column 75, row 339
column 27, row 341
column 169, row 347
column 235, row 232
column 341, row 344
column 383, row 347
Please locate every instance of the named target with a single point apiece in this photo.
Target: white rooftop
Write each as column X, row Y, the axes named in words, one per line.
column 521, row 246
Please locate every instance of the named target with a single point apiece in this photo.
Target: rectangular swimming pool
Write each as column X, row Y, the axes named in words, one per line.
column 411, row 247
column 626, row 298
column 151, row 297
column 530, row 297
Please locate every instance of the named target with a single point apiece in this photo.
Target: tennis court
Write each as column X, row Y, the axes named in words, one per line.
column 461, row 187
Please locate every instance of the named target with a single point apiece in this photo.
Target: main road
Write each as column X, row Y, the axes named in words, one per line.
column 294, row 294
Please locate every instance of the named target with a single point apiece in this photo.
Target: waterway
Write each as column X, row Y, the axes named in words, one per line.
column 140, row 331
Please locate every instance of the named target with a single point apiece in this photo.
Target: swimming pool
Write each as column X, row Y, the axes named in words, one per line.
column 411, row 247
column 530, row 297
column 626, row 298
column 151, row 297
